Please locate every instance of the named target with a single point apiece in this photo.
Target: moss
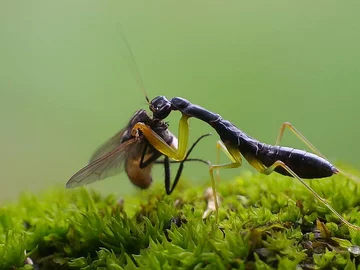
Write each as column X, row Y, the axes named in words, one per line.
column 265, row 222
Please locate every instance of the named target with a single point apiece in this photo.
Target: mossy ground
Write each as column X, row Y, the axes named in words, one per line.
column 265, row 222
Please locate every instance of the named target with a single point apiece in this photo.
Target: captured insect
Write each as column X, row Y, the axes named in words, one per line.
column 132, row 152
column 129, row 149
column 235, row 143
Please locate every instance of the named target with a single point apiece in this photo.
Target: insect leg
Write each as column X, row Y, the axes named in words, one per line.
column 220, row 146
column 308, row 144
column 167, row 171
column 144, row 163
column 189, row 159
column 218, row 160
column 260, row 167
column 235, row 156
column 181, row 166
column 156, row 141
column 166, row 162
column 299, row 135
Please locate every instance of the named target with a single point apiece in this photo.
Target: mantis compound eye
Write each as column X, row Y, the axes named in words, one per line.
column 161, row 107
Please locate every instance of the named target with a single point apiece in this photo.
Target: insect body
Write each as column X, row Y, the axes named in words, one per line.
column 133, row 153
column 304, row 164
column 234, row 142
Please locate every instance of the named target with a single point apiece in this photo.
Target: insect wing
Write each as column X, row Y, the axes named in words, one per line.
column 108, row 165
column 121, row 136
column 110, row 145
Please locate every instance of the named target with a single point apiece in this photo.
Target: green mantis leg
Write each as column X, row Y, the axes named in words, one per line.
column 235, row 156
column 308, row 144
column 159, row 144
column 262, row 169
column 299, row 135
column 221, row 146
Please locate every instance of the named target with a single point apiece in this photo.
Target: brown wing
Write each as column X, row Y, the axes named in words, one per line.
column 108, row 165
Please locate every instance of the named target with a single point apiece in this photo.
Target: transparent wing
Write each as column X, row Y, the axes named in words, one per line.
column 108, row 146
column 108, row 165
column 115, row 141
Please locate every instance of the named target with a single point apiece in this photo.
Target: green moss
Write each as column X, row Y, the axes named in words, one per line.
column 265, row 222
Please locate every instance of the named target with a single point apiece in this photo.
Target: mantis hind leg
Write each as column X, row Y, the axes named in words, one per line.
column 261, row 168
column 308, row 144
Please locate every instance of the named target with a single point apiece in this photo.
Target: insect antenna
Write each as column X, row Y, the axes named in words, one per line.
column 133, row 66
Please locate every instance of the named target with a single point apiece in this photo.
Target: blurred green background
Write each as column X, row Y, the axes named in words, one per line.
column 65, row 87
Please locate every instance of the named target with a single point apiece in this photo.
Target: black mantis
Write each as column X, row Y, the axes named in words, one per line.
column 130, row 151
column 235, row 143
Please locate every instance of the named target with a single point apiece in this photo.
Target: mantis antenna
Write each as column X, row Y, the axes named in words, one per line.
column 133, row 66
